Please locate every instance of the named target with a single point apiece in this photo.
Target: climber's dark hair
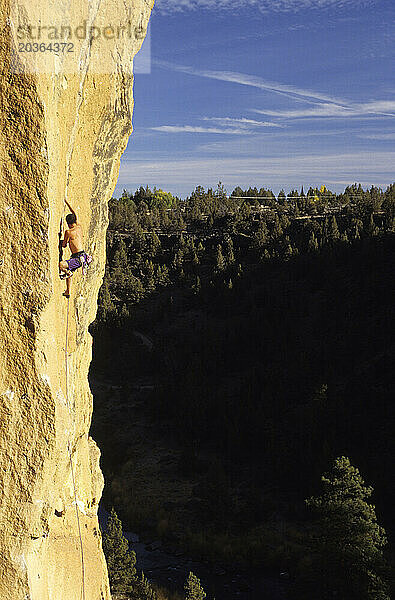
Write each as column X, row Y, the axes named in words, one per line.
column 71, row 219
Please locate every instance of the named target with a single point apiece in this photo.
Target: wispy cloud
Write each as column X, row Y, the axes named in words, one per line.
column 320, row 110
column 378, row 136
column 247, row 123
column 323, row 105
column 192, row 129
column 294, row 92
column 377, row 108
column 264, row 6
column 224, row 126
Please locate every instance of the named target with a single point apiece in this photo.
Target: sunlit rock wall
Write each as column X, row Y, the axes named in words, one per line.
column 65, row 119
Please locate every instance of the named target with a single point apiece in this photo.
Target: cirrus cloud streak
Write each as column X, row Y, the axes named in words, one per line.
column 192, row 129
column 262, row 6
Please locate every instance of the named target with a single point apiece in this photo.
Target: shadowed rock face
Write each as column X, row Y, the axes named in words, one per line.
column 64, row 123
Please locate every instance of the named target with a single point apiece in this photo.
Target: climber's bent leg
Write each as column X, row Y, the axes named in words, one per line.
column 68, row 285
column 67, row 267
column 65, row 273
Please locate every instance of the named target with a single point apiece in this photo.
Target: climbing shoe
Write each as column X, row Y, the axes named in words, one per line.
column 65, row 274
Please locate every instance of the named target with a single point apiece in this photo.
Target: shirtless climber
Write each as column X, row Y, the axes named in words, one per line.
column 74, row 238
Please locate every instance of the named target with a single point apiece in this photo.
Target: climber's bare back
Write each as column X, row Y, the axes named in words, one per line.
column 74, row 238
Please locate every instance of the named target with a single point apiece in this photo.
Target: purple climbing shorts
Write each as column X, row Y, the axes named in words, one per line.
column 76, row 261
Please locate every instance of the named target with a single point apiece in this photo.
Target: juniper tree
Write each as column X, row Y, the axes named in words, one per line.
column 144, row 590
column 230, row 256
column 348, row 542
column 220, row 261
column 135, row 289
column 356, row 228
column 313, row 243
column 371, row 227
column 277, row 230
column 120, row 561
column 120, row 263
column 124, row 314
column 281, row 197
column 200, row 248
column 344, row 238
column 260, row 236
column 193, row 588
column 154, row 244
column 106, row 307
column 330, row 231
column 196, row 286
column 195, row 259
column 333, row 230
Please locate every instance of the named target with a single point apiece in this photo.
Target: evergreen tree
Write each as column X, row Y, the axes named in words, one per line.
column 260, row 237
column 196, row 286
column 356, row 228
column 120, row 265
column 344, row 237
column 220, row 190
column 230, row 255
column 124, row 314
column 245, row 211
column 120, row 561
column 281, row 197
column 371, row 228
column 330, row 231
column 154, row 244
column 163, row 276
column 150, row 275
column 181, row 223
column 238, row 192
column 144, row 590
column 178, row 258
column 277, row 230
column 389, row 200
column 219, row 261
column 135, row 290
column 313, row 243
column 193, row 588
column 333, row 230
column 106, row 307
column 265, row 255
column 348, row 542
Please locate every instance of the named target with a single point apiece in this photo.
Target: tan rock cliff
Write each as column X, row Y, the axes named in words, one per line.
column 64, row 122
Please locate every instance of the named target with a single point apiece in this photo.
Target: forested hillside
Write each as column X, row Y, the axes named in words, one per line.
column 265, row 325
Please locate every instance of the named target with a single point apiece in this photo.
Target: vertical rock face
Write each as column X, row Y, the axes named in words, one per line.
column 64, row 122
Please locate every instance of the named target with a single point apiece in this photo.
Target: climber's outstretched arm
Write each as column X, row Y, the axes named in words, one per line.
column 72, row 209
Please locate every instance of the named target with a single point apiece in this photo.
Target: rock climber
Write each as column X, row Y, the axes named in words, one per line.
column 73, row 236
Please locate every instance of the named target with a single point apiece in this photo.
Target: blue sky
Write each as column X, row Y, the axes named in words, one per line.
column 274, row 93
